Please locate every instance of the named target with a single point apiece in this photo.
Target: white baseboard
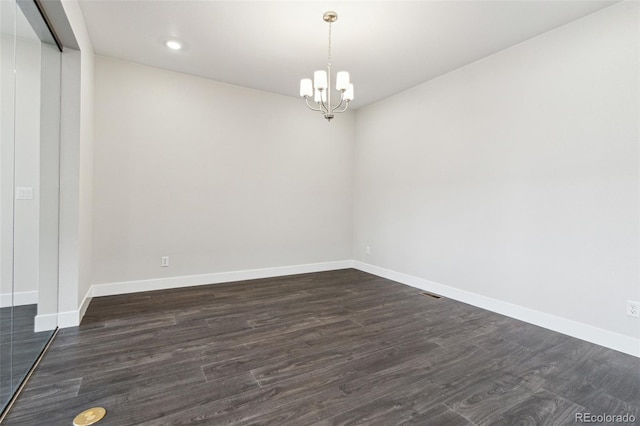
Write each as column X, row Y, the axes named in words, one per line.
column 45, row 322
column 73, row 318
column 566, row 326
column 609, row 339
column 124, row 287
column 85, row 304
column 68, row 319
column 18, row 299
column 6, row 300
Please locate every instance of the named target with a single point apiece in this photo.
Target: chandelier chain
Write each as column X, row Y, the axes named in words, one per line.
column 329, row 44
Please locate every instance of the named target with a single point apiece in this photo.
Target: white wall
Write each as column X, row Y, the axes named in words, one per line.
column 85, row 201
column 217, row 177
column 515, row 178
column 76, row 172
column 49, row 193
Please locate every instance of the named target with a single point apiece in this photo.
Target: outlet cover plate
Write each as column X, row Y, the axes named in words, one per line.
column 24, row 193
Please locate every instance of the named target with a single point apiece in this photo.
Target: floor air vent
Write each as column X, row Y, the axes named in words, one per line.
column 90, row 416
column 431, row 295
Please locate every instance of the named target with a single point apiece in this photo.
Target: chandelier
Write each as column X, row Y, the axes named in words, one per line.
column 320, row 89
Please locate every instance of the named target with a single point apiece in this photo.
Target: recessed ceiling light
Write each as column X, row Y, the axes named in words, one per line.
column 173, row 44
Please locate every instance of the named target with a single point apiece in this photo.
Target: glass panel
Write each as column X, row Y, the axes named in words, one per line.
column 29, row 180
column 7, row 90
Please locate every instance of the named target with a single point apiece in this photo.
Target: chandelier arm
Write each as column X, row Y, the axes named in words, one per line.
column 310, row 107
column 325, row 109
column 346, row 105
column 334, row 109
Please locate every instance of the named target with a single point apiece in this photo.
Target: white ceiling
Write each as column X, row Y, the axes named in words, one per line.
column 387, row 46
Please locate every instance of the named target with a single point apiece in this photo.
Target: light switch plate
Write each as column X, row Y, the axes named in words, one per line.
column 24, row 193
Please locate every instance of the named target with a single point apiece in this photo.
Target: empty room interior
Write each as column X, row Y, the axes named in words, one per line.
column 320, row 212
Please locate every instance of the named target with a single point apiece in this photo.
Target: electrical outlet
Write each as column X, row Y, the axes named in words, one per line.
column 633, row 308
column 367, row 250
column 24, row 193
column 164, row 261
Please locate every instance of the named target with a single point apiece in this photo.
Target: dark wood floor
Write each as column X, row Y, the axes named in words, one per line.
column 331, row 348
column 20, row 346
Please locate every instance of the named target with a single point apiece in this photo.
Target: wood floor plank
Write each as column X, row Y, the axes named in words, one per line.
column 392, row 408
column 291, row 367
column 490, row 396
column 438, row 415
column 306, row 398
column 542, row 407
column 166, row 405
